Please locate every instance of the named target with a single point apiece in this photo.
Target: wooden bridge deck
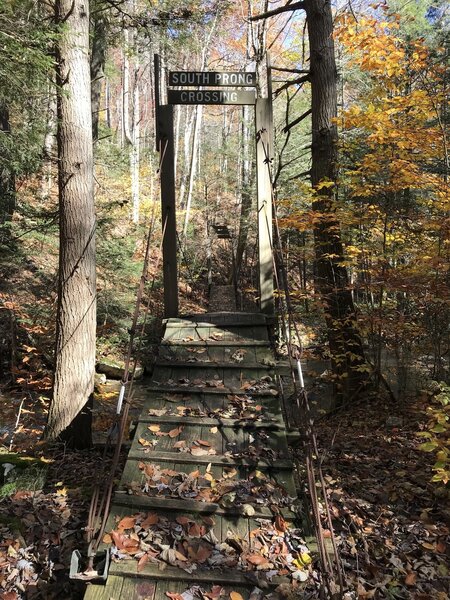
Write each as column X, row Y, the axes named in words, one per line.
column 207, row 496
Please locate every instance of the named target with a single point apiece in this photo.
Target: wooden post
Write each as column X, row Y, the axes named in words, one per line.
column 157, row 69
column 168, row 212
column 264, row 189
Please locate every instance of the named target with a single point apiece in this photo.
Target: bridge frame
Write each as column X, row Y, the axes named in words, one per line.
column 264, row 157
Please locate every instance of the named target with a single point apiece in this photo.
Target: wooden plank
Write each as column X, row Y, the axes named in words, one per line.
column 173, row 389
column 154, row 503
column 212, row 422
column 216, row 343
column 207, row 366
column 212, row 576
column 187, row 458
column 112, row 589
column 232, row 319
column 168, row 586
column 168, row 209
column 264, row 125
column 135, row 589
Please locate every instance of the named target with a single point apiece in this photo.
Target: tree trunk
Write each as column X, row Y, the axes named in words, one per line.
column 70, row 415
column 49, row 142
column 193, row 165
column 331, row 276
column 99, row 25
column 135, row 146
column 7, row 180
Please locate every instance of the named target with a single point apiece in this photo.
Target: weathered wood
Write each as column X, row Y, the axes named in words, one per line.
column 139, row 503
column 187, row 458
column 231, row 438
column 174, row 389
column 112, row 589
column 213, row 343
column 264, row 124
column 206, row 366
column 212, row 576
column 220, row 423
column 168, row 210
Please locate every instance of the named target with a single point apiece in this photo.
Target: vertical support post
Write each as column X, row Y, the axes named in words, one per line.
column 168, row 212
column 264, row 153
column 157, row 70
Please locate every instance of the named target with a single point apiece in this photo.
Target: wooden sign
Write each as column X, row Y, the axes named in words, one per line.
column 211, row 97
column 212, row 78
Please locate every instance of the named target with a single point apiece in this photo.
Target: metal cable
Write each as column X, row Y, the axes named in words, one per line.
column 301, row 395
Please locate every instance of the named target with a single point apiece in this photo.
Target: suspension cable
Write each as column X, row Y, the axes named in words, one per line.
column 313, row 465
column 101, row 501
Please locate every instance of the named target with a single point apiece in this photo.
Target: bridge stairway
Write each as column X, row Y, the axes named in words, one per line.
column 208, row 484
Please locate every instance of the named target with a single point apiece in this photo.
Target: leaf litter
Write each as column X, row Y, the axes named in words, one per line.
column 190, row 543
column 258, row 489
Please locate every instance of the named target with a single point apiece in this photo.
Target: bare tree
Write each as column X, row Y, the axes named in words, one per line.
column 69, row 416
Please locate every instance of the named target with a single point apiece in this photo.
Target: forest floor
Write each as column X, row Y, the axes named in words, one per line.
column 389, row 518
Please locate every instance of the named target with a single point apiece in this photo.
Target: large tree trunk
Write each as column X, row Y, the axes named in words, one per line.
column 7, row 180
column 331, row 276
column 99, row 25
column 69, row 416
column 135, row 145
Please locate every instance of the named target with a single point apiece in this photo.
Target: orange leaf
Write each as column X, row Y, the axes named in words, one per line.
column 173, row 433
column 235, row 596
column 142, row 562
column 256, row 559
column 280, row 524
column 203, row 553
column 196, row 451
column 145, row 442
column 126, row 523
column 151, row 519
column 410, row 579
column 194, row 530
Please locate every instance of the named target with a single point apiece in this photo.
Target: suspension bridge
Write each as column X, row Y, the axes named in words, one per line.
column 208, row 503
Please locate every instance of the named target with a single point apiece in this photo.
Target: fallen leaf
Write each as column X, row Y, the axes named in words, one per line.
column 142, row 562
column 256, row 559
column 145, row 442
column 151, row 519
column 180, row 444
column 235, row 596
column 173, row 433
column 154, row 428
column 126, row 523
column 411, row 578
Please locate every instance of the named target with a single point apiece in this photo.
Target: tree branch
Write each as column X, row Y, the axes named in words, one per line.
column 297, row 81
column 281, row 9
column 295, row 122
column 285, row 70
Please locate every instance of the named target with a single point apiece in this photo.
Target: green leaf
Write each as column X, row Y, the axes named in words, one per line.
column 428, row 446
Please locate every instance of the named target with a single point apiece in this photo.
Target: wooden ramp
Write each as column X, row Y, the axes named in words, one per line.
column 207, row 497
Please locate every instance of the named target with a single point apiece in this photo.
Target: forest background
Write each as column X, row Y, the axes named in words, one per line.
column 390, row 198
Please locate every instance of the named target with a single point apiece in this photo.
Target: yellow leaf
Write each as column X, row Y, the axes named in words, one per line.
column 236, row 596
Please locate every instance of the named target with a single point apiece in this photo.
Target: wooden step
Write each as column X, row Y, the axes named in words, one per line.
column 246, row 424
column 220, row 319
column 174, row 389
column 207, row 576
column 213, row 343
column 141, row 503
column 198, row 364
column 186, row 458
